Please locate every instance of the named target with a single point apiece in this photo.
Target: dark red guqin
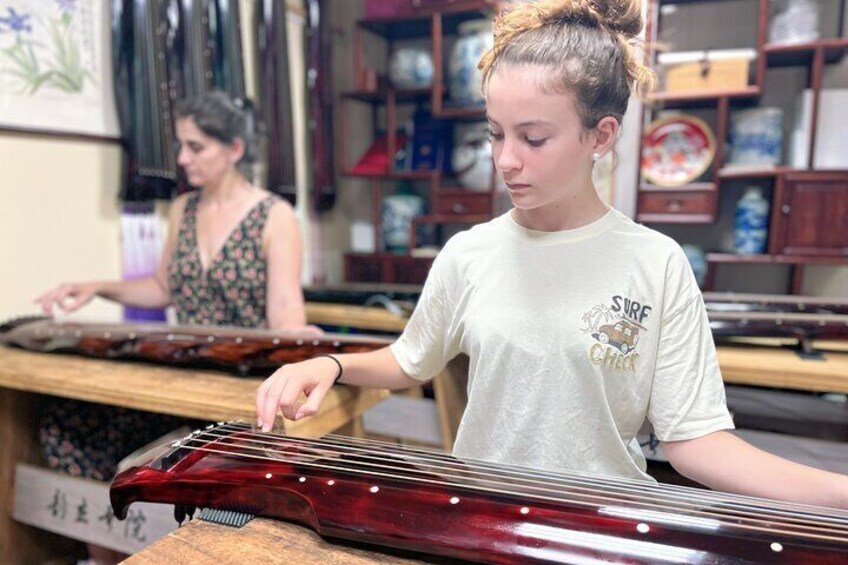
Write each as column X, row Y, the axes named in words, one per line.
column 239, row 350
column 433, row 503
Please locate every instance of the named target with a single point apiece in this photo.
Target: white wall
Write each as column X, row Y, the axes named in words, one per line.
column 59, row 218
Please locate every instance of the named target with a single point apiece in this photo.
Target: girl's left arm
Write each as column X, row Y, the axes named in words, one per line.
column 283, row 251
column 724, row 462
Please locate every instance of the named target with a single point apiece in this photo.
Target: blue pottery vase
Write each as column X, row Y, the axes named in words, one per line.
column 475, row 38
column 750, row 231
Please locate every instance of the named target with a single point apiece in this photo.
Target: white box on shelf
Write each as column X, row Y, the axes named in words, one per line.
column 362, row 237
column 831, row 135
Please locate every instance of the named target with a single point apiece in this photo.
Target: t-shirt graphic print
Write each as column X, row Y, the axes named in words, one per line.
column 615, row 329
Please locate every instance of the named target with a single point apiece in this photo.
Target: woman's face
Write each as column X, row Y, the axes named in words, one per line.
column 538, row 142
column 205, row 159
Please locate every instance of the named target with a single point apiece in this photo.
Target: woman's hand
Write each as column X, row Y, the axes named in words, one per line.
column 283, row 389
column 68, row 296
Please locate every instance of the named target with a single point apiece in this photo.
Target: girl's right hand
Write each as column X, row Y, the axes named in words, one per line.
column 68, row 296
column 282, row 390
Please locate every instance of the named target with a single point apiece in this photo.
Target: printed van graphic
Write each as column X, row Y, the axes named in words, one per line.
column 616, row 328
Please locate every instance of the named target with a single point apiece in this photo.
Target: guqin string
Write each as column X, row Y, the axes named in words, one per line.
column 380, row 460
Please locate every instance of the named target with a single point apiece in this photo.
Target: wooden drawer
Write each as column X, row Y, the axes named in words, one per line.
column 464, row 204
column 677, row 206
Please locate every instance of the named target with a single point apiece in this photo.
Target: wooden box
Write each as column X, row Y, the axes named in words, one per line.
column 706, row 70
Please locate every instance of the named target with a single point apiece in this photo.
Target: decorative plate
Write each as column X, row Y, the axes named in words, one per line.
column 676, row 150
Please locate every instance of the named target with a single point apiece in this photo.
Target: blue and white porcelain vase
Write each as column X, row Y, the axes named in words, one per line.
column 411, row 67
column 756, row 137
column 697, row 260
column 475, row 38
column 472, row 156
column 750, row 231
column 397, row 214
column 798, row 22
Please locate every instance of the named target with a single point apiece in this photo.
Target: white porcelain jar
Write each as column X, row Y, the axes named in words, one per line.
column 475, row 38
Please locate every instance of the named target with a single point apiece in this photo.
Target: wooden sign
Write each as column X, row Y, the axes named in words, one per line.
column 80, row 509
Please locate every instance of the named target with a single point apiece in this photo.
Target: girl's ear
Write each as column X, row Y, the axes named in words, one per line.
column 606, row 132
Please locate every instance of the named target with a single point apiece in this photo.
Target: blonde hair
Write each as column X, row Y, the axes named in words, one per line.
column 589, row 45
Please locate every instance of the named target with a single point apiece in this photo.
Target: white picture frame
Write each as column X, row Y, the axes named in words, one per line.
column 56, row 68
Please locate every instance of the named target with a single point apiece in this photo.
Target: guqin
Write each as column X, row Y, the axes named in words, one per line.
column 802, row 318
column 426, row 501
column 236, row 349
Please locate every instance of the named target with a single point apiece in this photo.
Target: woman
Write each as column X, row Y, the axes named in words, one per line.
column 233, row 253
column 578, row 322
column 232, row 257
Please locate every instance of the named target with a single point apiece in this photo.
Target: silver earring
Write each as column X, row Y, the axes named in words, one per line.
column 596, row 156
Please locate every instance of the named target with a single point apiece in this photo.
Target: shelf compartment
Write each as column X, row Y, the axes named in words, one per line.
column 386, row 268
column 463, row 202
column 730, row 172
column 380, row 95
column 462, row 113
column 393, row 175
column 768, row 259
column 452, row 219
column 701, row 97
column 677, row 206
column 691, row 187
column 801, row 54
column 409, row 26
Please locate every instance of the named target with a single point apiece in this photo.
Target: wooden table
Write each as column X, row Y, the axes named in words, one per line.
column 202, row 395
column 359, row 317
column 269, row 542
column 778, row 367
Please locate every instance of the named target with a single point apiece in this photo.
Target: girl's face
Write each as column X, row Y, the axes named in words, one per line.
column 539, row 145
column 205, row 159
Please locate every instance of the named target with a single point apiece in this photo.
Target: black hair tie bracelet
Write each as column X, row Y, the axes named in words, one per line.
column 341, row 369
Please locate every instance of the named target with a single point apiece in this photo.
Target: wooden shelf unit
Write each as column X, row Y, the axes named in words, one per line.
column 448, row 203
column 803, row 200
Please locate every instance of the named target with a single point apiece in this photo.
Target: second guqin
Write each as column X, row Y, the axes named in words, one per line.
column 425, row 501
column 241, row 350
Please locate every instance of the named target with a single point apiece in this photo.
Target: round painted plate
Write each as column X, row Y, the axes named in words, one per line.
column 676, row 150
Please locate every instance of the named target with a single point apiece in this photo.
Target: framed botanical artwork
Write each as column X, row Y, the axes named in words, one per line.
column 56, row 68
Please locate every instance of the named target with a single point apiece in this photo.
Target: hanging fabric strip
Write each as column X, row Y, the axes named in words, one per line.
column 141, row 247
column 319, row 84
column 275, row 98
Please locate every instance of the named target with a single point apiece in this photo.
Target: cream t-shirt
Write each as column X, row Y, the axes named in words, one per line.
column 575, row 338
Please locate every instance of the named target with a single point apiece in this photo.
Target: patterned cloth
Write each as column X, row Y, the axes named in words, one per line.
column 231, row 292
column 89, row 440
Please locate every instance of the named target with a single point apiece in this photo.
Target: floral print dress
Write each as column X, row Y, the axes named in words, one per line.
column 89, row 440
column 231, row 291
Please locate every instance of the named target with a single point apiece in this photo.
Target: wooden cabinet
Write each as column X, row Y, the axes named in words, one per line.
column 435, row 24
column 808, row 221
column 813, row 210
column 694, row 203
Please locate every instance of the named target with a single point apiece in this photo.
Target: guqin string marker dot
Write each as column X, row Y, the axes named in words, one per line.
column 339, row 363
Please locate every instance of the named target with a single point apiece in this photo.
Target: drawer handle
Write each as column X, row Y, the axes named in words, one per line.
column 675, row 205
column 458, row 208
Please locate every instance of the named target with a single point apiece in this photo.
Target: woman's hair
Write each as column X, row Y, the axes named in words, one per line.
column 587, row 44
column 224, row 118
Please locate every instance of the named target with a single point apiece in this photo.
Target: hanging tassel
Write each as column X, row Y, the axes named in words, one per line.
column 141, row 243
